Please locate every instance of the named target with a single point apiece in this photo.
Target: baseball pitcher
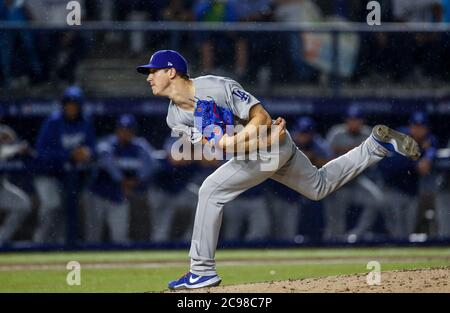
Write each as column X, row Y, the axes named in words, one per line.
column 203, row 108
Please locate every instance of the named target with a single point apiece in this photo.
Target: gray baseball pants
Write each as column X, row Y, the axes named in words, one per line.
column 294, row 170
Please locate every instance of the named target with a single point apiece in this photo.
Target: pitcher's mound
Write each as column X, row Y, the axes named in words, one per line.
column 421, row 280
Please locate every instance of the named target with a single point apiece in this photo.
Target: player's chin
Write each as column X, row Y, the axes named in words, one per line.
column 154, row 90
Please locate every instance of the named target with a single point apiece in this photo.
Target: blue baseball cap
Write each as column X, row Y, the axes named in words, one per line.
column 355, row 111
column 305, row 124
column 73, row 94
column 127, row 121
column 419, row 118
column 165, row 59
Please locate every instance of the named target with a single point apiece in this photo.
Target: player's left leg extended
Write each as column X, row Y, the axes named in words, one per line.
column 300, row 175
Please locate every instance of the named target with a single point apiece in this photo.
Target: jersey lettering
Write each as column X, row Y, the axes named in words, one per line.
column 241, row 95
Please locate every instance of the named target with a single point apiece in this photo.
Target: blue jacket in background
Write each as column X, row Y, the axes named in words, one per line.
column 58, row 137
column 117, row 162
column 400, row 173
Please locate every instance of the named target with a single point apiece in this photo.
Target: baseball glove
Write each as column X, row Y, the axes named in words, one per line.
column 211, row 120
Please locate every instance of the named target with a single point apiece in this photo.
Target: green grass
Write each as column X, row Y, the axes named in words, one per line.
column 157, row 255
column 155, row 279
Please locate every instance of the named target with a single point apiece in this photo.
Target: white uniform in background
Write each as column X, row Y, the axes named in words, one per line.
column 14, row 201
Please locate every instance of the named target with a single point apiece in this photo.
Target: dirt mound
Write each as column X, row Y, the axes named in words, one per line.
column 422, row 280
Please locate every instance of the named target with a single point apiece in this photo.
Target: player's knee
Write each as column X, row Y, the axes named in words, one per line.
column 206, row 189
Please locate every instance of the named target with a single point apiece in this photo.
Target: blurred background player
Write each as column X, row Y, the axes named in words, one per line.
column 13, row 200
column 251, row 51
column 420, row 128
column 65, row 147
column 214, row 47
column 316, row 148
column 284, row 211
column 172, row 177
column 125, row 167
column 173, row 200
column 405, row 181
column 294, row 11
column 362, row 191
column 18, row 61
column 310, row 142
column 247, row 218
column 285, row 204
column 443, row 203
column 202, row 169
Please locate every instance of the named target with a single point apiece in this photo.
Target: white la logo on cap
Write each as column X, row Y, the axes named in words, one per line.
column 169, row 64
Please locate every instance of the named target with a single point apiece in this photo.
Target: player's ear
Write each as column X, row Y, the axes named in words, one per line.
column 172, row 73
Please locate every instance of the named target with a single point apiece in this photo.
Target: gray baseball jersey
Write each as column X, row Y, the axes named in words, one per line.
column 227, row 94
column 236, row 176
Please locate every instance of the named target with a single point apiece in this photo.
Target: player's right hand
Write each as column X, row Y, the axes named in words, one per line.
column 280, row 129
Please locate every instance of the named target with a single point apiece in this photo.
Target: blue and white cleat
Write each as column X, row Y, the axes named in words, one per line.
column 192, row 281
column 395, row 141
